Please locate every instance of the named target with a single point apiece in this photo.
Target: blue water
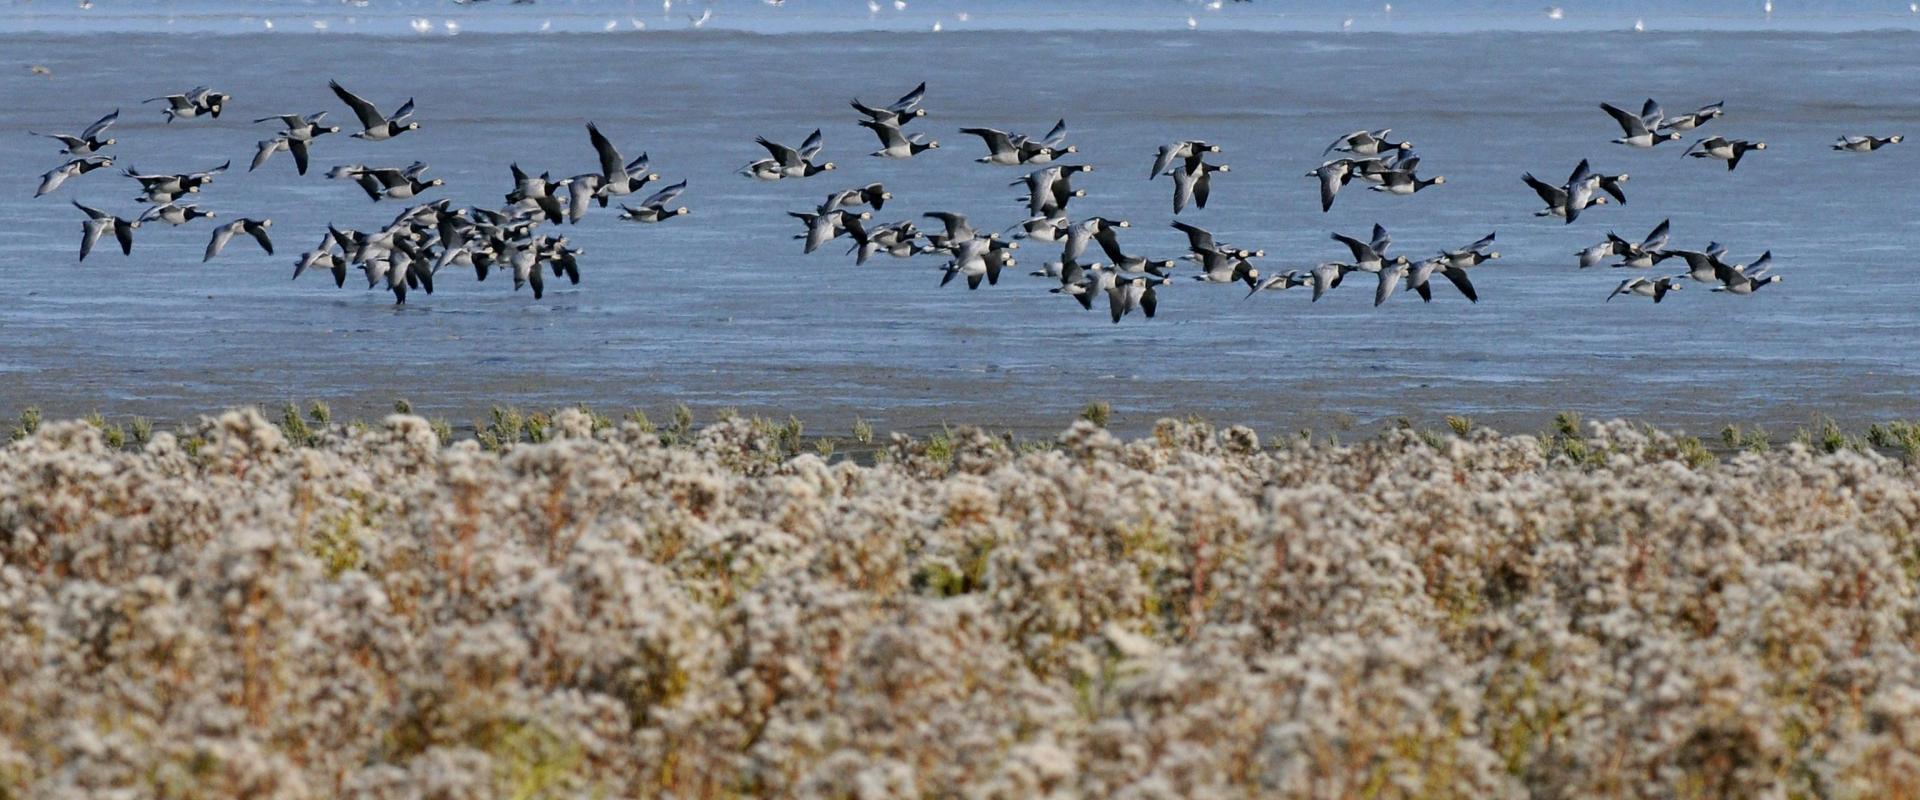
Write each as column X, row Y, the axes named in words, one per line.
column 721, row 309
column 406, row 17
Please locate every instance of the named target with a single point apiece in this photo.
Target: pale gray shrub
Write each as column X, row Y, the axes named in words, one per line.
column 372, row 613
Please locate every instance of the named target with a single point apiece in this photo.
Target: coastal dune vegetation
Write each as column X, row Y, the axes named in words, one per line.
column 571, row 605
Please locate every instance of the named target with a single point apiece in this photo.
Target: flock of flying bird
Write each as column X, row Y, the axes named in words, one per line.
column 423, row 238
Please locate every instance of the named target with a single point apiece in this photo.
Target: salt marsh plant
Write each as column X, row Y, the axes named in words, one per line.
column 1098, row 412
column 28, row 423
column 608, row 610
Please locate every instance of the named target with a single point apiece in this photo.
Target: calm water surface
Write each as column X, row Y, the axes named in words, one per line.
column 721, row 309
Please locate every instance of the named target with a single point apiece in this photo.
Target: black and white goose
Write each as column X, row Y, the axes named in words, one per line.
column 897, row 113
column 200, row 100
column 1110, row 245
column 267, row 147
column 1472, row 255
column 1049, row 189
column 1194, row 185
column 654, row 208
column 1091, row 229
column 1188, row 151
column 1744, row 284
column 374, row 126
column 1724, row 149
column 1282, row 282
column 897, row 239
column 158, row 189
column 1647, row 287
column 1217, row 266
column 72, row 169
column 531, row 194
column 1366, row 143
column 89, row 141
column 99, row 223
column 1704, row 266
column 1332, row 175
column 1558, row 198
column 1043, row 228
column 1078, row 281
column 1000, row 254
column 1637, row 256
column 873, row 194
column 302, row 128
column 296, row 139
column 1865, row 144
column 1073, row 276
column 1582, row 190
column 1370, row 256
column 1127, row 292
column 826, row 225
column 955, row 229
column 323, row 258
column 256, row 228
column 1687, row 122
column 1001, row 149
column 787, row 162
column 1634, row 130
column 1328, row 276
column 173, row 214
column 1597, row 181
column 1390, row 278
column 894, row 144
column 1201, row 240
column 1045, row 150
column 618, row 177
column 1747, row 278
column 970, row 259
column 1420, row 275
column 1402, row 180
column 389, row 183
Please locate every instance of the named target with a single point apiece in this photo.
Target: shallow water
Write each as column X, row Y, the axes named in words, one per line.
column 721, row 309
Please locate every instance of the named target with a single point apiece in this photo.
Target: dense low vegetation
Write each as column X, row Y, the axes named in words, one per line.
column 568, row 605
